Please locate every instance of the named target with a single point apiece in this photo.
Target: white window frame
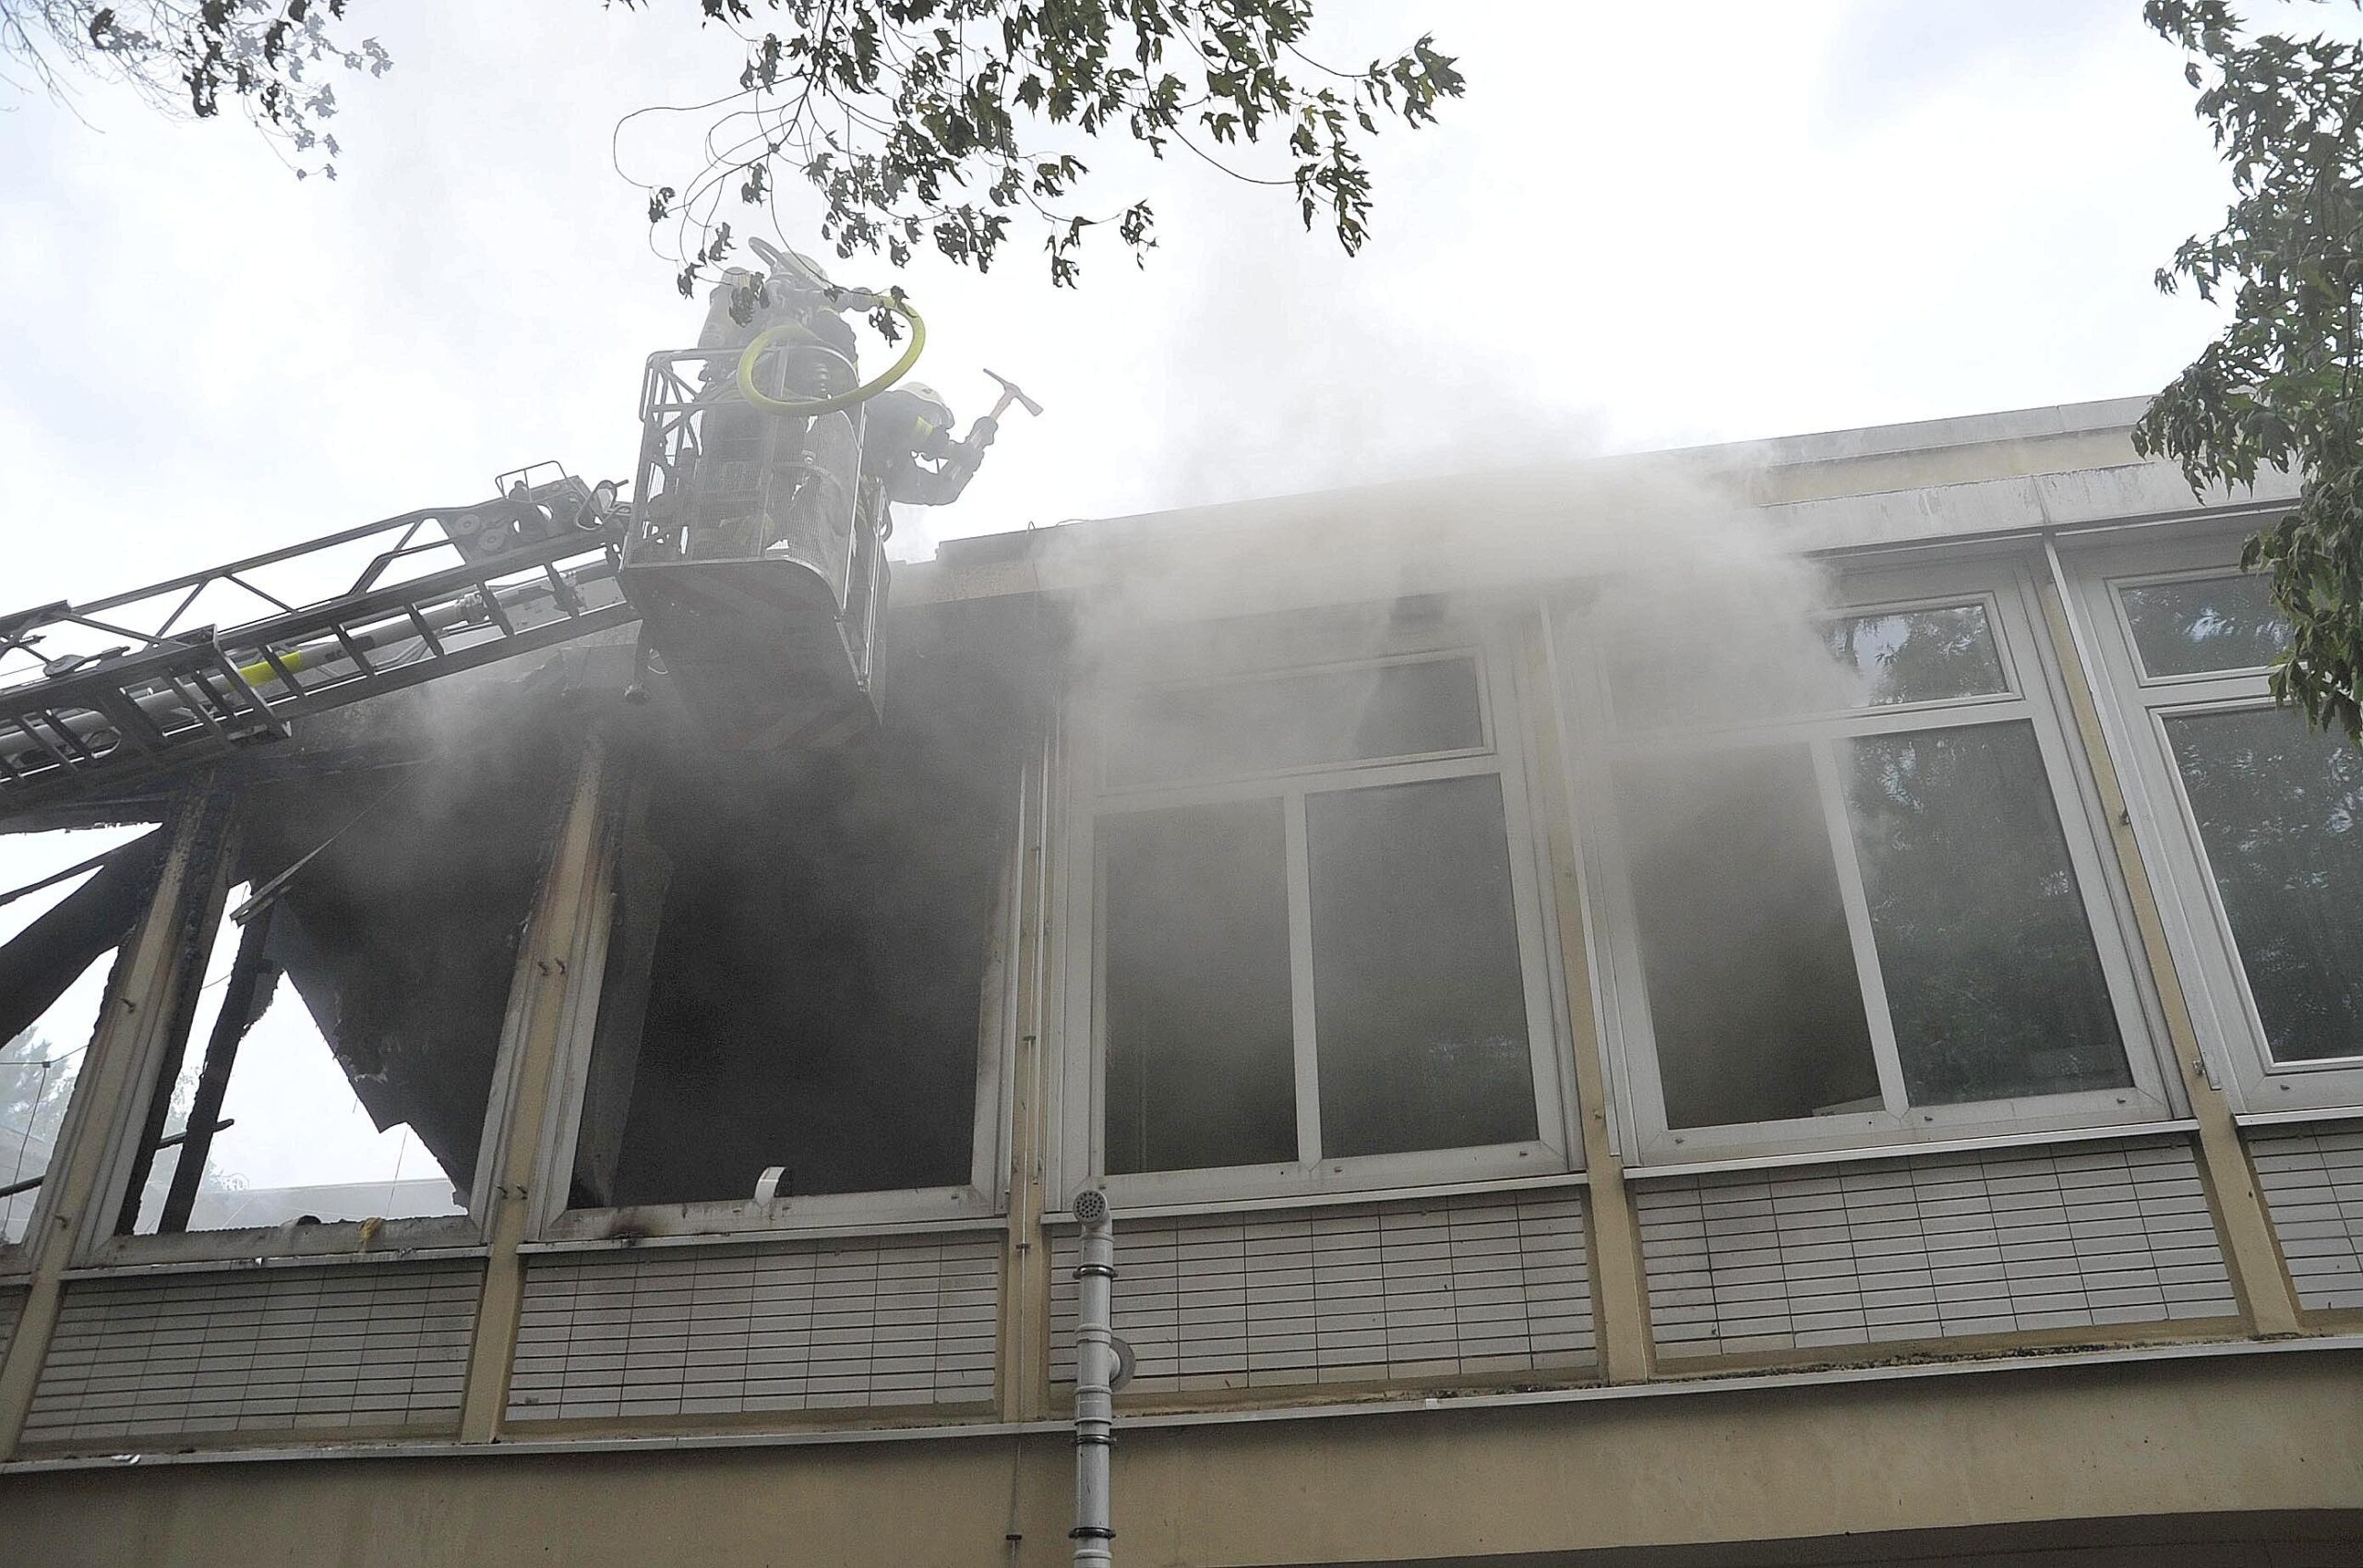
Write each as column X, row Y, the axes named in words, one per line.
column 982, row 1196
column 2032, row 696
column 1314, row 644
column 2136, row 706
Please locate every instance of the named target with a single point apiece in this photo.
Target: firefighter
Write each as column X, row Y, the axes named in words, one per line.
column 906, row 440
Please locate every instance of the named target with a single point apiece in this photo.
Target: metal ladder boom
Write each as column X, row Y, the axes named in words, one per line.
column 166, row 697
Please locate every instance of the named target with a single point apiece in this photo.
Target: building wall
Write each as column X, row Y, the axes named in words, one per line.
column 736, row 1330
column 1782, row 1350
column 2223, row 1449
column 264, row 1353
column 1475, row 1285
column 2312, row 1177
column 2005, row 1242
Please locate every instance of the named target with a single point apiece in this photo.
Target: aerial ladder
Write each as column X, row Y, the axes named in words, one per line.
column 751, row 553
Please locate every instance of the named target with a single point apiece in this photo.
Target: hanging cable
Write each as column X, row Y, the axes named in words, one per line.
column 92, row 864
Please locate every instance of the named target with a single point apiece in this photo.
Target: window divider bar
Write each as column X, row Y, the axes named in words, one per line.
column 248, row 977
column 217, row 853
column 1306, row 1039
column 1871, row 980
column 2251, row 1244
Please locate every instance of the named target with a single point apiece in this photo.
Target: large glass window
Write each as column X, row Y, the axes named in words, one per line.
column 68, row 899
column 2254, row 822
column 1874, row 915
column 1316, row 933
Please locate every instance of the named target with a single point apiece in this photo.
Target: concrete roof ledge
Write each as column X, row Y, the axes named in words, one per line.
column 1930, row 435
column 2064, row 466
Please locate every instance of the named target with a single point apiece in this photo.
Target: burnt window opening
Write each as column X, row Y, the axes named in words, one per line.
column 69, row 899
column 333, row 1054
column 798, row 967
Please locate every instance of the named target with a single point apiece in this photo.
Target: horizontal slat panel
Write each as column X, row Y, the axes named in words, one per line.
column 147, row 1360
column 2312, row 1179
column 728, row 1331
column 1456, row 1286
column 2000, row 1241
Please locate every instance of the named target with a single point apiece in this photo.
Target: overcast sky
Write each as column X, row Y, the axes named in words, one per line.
column 1645, row 226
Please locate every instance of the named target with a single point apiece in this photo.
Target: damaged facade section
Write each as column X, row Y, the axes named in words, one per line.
column 1458, row 1000
column 335, row 1056
column 798, row 990
column 75, row 896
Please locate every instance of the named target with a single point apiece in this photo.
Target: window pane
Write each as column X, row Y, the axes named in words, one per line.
column 1992, row 979
column 57, row 947
column 2280, row 811
column 1201, row 1067
column 1172, row 734
column 1419, row 999
column 1918, row 655
column 1753, row 993
column 2205, row 623
column 1656, row 685
column 1775, row 672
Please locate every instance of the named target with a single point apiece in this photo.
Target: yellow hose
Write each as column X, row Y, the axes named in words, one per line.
column 260, row 673
column 807, row 407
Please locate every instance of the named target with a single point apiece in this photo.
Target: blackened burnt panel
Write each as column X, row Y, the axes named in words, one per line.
column 69, row 901
column 815, row 987
column 38, row 960
column 400, row 936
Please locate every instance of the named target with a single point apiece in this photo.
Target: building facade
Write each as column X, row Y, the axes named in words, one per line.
column 1793, row 1003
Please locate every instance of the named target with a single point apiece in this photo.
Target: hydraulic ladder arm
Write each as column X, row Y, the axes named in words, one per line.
column 96, row 694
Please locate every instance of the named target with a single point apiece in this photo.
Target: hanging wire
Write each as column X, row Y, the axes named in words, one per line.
column 24, row 1137
column 92, row 864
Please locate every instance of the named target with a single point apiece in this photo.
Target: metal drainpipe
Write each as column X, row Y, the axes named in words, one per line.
column 1095, row 1376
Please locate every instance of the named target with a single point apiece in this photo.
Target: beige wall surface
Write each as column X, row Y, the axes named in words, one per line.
column 2226, row 1437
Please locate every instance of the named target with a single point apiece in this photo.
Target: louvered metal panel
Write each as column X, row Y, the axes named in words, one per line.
column 146, row 1360
column 1993, row 1242
column 2312, row 1179
column 1468, row 1285
column 732, row 1330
